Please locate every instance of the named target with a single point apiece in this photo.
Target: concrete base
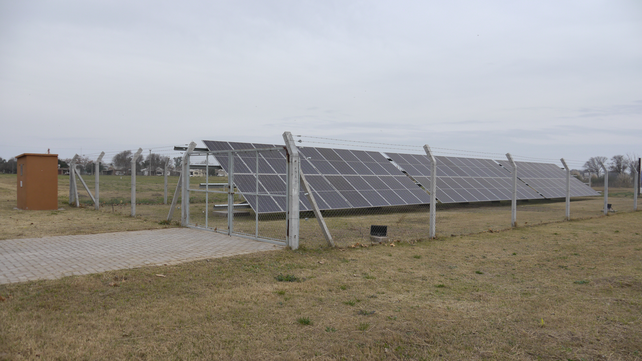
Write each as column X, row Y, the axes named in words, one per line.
column 378, row 239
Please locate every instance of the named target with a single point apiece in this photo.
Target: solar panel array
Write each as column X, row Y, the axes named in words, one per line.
column 549, row 179
column 345, row 179
column 338, row 178
column 463, row 179
column 271, row 169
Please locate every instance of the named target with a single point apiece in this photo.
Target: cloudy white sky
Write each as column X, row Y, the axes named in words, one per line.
column 545, row 79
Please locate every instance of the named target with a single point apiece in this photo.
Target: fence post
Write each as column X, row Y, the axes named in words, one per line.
column 190, row 148
column 230, row 192
column 606, row 189
column 74, row 189
column 294, row 169
column 185, row 185
column 134, row 159
column 72, row 179
column 513, row 203
column 568, row 190
column 165, row 175
column 639, row 185
column 433, row 191
column 97, row 172
column 636, row 190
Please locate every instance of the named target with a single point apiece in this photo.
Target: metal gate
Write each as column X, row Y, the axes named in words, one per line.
column 219, row 205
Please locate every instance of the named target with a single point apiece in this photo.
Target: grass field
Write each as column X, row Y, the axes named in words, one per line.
column 347, row 227
column 557, row 291
column 69, row 220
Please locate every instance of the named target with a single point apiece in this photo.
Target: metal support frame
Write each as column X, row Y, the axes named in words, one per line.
column 84, row 185
column 293, row 186
column 230, row 191
column 568, row 190
column 97, row 185
column 170, row 215
column 133, row 198
column 606, row 189
column 317, row 211
column 433, row 191
column 73, row 185
column 513, row 203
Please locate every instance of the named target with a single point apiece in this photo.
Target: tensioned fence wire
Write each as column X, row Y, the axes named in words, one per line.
column 351, row 227
column 209, row 202
column 115, row 185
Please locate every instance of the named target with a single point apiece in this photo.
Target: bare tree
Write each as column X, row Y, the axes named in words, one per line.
column 155, row 161
column 593, row 165
column 122, row 160
column 177, row 162
column 632, row 160
column 618, row 164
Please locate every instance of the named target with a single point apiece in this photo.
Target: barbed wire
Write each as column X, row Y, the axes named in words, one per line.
column 436, row 150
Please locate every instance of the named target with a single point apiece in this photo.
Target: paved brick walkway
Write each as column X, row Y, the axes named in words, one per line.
column 55, row 257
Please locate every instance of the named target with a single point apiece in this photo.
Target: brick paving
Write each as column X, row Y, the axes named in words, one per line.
column 55, row 257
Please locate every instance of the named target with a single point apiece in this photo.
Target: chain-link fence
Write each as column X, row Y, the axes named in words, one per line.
column 107, row 180
column 484, row 187
column 364, row 196
column 250, row 203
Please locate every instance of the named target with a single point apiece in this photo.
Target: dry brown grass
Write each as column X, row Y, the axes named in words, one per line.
column 70, row 220
column 562, row 291
column 347, row 227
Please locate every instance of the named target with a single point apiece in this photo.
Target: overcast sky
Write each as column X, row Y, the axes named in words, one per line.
column 544, row 79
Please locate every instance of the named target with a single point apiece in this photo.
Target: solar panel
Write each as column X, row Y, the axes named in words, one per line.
column 549, row 179
column 338, row 178
column 463, row 179
column 355, row 175
column 345, row 179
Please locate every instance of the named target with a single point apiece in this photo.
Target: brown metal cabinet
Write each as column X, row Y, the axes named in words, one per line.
column 37, row 181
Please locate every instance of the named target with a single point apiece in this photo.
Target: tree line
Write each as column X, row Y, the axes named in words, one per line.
column 619, row 164
column 121, row 161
